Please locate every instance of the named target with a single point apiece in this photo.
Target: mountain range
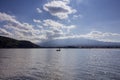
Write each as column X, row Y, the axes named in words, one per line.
column 6, row 42
column 79, row 43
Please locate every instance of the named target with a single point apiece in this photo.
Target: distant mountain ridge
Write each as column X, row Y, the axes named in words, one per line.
column 79, row 43
column 6, row 42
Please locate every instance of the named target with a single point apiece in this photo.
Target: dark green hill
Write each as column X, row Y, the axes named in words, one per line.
column 6, row 42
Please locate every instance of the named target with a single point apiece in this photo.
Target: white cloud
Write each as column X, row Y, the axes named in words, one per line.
column 67, row 1
column 47, row 29
column 57, row 29
column 104, row 36
column 52, row 23
column 96, row 35
column 4, row 32
column 59, row 9
column 77, row 16
column 36, row 21
column 56, row 25
column 18, row 30
column 39, row 10
column 6, row 17
column 70, row 28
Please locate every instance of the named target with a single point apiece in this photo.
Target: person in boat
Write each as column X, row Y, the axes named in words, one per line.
column 58, row 49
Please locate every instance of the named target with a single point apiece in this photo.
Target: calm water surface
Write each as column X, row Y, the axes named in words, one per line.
column 68, row 64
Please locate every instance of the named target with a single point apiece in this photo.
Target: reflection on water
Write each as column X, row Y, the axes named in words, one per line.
column 68, row 64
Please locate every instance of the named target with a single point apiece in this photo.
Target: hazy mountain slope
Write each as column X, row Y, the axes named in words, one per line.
column 81, row 42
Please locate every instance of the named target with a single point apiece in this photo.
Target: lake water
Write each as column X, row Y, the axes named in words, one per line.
column 68, row 64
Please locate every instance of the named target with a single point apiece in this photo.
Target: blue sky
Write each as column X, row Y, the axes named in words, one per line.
column 41, row 20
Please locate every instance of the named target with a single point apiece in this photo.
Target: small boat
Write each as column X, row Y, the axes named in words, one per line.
column 58, row 49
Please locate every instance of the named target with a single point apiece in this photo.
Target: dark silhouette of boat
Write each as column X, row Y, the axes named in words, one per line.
column 58, row 49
